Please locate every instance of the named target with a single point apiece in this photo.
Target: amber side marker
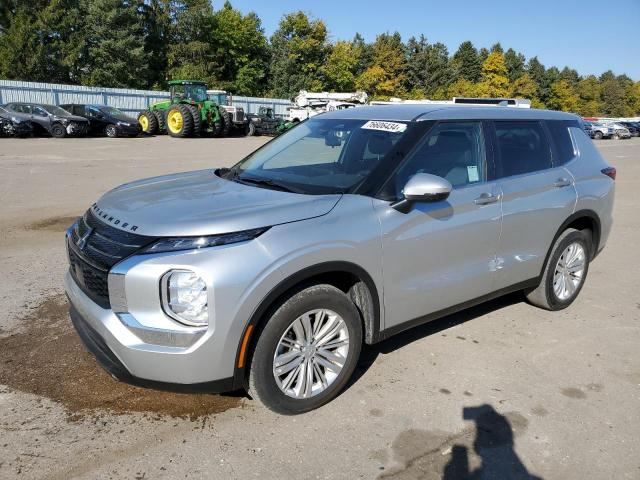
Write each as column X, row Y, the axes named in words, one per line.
column 243, row 348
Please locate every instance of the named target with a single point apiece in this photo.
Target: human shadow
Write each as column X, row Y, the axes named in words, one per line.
column 494, row 445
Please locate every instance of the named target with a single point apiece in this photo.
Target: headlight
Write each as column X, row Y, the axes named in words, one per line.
column 256, row 120
column 184, row 297
column 194, row 243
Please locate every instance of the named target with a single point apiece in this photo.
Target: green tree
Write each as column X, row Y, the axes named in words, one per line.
column 494, row 77
column 462, row 88
column 22, row 54
column 514, row 62
column 496, row 47
column 191, row 47
column 466, row 62
column 340, row 68
column 428, row 67
column 364, row 53
column 386, row 76
column 115, row 54
column 563, row 97
column 157, row 25
column 589, row 102
column 240, row 50
column 613, row 98
column 570, row 75
column 524, row 87
column 298, row 50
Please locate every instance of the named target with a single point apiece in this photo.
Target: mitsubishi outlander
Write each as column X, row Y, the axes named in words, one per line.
column 351, row 227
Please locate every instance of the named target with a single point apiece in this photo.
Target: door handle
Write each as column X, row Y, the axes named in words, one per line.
column 486, row 199
column 562, row 182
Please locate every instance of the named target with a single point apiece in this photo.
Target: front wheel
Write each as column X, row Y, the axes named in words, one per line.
column 565, row 271
column 307, row 351
column 598, row 135
column 58, row 131
column 111, row 131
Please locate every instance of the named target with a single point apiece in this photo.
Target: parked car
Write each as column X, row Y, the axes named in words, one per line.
column 633, row 127
column 51, row 119
column 588, row 128
column 619, row 131
column 263, row 123
column 347, row 229
column 600, row 131
column 13, row 124
column 105, row 120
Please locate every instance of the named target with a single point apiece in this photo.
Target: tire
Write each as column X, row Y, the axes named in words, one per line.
column 179, row 121
column 225, row 120
column 313, row 301
column 545, row 294
column 598, row 135
column 111, row 131
column 162, row 121
column 616, row 136
column 148, row 122
column 251, row 130
column 58, row 130
column 197, row 119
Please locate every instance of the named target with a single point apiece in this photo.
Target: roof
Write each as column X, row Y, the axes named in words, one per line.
column 407, row 113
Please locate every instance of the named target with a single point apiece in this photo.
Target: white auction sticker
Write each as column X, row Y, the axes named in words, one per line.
column 385, row 126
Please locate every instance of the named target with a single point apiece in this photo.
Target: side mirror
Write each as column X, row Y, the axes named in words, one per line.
column 422, row 187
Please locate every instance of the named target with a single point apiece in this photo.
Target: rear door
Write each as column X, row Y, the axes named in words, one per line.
column 440, row 254
column 537, row 197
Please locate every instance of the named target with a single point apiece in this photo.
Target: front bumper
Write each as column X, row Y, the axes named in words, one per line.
column 120, row 350
column 134, row 129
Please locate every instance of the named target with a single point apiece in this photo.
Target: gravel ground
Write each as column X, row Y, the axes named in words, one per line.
column 504, row 390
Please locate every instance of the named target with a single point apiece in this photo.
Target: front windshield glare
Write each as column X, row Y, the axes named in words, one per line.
column 53, row 110
column 322, row 155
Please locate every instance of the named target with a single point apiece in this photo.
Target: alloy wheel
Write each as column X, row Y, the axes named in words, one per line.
column 311, row 353
column 569, row 271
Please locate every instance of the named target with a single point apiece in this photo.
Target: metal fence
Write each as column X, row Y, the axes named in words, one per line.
column 128, row 100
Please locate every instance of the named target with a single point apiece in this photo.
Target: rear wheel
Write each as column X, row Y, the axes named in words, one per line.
column 58, row 130
column 225, row 119
column 197, row 119
column 598, row 135
column 179, row 121
column 148, row 122
column 162, row 123
column 307, row 351
column 565, row 271
column 111, row 131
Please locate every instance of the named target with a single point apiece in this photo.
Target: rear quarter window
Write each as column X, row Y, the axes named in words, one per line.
column 565, row 149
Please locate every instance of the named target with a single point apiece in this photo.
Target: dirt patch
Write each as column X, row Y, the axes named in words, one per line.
column 48, row 359
column 53, row 224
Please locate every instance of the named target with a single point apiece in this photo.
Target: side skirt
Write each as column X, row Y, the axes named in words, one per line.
column 389, row 332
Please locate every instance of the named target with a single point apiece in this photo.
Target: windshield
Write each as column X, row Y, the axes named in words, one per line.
column 321, row 155
column 114, row 112
column 197, row 93
column 52, row 109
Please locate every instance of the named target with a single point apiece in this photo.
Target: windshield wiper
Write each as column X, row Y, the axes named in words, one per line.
column 267, row 183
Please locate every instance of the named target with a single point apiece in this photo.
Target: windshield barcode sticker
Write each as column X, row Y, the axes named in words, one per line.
column 385, row 126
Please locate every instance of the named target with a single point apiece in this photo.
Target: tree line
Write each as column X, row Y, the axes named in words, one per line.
column 145, row 43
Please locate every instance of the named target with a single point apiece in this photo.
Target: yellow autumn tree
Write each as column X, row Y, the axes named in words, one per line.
column 495, row 82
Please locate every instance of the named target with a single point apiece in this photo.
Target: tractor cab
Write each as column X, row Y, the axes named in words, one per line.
column 219, row 97
column 188, row 91
column 266, row 112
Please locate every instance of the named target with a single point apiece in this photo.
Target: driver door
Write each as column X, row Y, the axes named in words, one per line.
column 441, row 254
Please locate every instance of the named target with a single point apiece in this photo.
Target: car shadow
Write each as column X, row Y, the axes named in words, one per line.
column 370, row 352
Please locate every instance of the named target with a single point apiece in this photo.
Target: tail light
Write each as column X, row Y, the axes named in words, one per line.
column 609, row 172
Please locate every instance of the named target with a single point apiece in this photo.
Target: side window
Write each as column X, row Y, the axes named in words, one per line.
column 523, row 148
column 94, row 112
column 452, row 150
column 561, row 136
column 21, row 108
column 39, row 111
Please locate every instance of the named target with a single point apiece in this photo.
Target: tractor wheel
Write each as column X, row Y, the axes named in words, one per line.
column 250, row 130
column 148, row 122
column 179, row 121
column 162, row 121
column 224, row 127
column 197, row 119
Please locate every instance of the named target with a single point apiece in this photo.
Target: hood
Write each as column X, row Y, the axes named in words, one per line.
column 201, row 203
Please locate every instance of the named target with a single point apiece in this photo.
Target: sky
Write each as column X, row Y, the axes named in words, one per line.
column 592, row 36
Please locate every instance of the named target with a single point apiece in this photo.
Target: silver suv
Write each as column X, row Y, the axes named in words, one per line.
column 351, row 227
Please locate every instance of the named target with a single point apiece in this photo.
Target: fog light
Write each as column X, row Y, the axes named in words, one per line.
column 184, row 297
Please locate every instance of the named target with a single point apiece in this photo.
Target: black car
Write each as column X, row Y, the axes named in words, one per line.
column 633, row 127
column 50, row 119
column 105, row 120
column 13, row 124
column 263, row 123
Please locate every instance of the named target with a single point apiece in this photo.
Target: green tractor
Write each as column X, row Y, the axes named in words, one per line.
column 188, row 112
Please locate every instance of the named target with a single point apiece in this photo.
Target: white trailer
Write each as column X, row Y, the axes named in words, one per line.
column 308, row 104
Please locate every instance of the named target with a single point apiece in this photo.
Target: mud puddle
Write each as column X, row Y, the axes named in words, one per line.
column 53, row 224
column 47, row 359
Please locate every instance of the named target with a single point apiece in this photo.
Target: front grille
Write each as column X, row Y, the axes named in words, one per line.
column 94, row 247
